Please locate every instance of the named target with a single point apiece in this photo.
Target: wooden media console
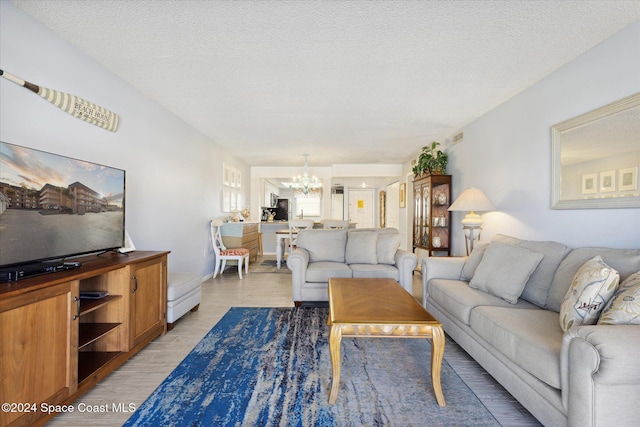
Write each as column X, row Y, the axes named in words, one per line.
column 55, row 346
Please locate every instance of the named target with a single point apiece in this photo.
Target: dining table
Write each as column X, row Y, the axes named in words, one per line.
column 281, row 243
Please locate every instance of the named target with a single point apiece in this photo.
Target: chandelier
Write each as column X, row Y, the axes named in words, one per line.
column 304, row 183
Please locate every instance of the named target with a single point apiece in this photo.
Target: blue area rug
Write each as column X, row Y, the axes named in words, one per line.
column 272, row 367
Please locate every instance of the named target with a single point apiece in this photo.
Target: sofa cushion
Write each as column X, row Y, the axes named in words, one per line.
column 591, row 288
column 321, row 271
column 323, row 245
column 387, row 247
column 504, row 270
column 458, row 299
column 531, row 338
column 473, row 260
column 624, row 307
column 386, row 230
column 537, row 288
column 362, row 247
column 375, row 271
column 624, row 261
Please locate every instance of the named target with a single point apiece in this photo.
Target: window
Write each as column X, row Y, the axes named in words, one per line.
column 310, row 205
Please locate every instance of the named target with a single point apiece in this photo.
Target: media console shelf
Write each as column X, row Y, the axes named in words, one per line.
column 55, row 346
column 92, row 330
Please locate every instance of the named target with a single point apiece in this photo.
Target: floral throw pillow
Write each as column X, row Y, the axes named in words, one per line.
column 591, row 288
column 624, row 307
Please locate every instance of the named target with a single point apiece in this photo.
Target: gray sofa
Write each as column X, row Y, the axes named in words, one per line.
column 586, row 376
column 369, row 253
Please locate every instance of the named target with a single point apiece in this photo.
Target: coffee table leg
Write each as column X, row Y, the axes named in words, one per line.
column 437, row 353
column 335, row 336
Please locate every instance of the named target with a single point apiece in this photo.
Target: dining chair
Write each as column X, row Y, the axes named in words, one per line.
column 222, row 254
column 296, row 225
column 334, row 224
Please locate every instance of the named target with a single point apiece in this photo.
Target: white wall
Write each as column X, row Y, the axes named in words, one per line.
column 174, row 173
column 507, row 152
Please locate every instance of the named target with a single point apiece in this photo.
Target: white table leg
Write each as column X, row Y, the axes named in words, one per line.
column 279, row 247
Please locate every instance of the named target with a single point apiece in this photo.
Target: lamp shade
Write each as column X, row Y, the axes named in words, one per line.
column 471, row 200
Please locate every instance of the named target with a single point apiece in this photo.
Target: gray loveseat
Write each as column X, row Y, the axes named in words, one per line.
column 368, row 253
column 586, row 376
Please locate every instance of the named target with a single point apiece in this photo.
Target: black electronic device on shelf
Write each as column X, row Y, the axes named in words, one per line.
column 93, row 294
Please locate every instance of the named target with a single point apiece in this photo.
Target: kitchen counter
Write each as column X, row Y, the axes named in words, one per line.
column 268, row 230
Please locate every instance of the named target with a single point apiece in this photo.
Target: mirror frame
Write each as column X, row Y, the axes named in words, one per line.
column 556, row 168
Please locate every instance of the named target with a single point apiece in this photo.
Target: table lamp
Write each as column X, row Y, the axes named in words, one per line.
column 471, row 200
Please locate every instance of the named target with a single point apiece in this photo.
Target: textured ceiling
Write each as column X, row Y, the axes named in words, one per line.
column 346, row 82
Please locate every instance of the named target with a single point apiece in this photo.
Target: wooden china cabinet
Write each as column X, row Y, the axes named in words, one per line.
column 431, row 219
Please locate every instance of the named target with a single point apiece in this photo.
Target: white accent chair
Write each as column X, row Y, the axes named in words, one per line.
column 296, row 225
column 335, row 224
column 223, row 254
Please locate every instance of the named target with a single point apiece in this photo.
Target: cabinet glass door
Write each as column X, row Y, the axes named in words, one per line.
column 426, row 220
column 417, row 215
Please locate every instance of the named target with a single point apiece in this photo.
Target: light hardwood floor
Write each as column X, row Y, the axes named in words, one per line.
column 132, row 383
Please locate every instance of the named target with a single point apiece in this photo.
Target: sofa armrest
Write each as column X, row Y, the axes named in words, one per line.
column 406, row 262
column 600, row 374
column 436, row 267
column 297, row 262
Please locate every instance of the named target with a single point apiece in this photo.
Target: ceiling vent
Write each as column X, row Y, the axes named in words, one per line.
column 458, row 137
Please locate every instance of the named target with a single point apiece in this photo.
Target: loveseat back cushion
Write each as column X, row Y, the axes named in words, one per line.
column 458, row 299
column 387, row 247
column 504, row 270
column 386, row 230
column 624, row 261
column 362, row 247
column 532, row 339
column 375, row 271
column 323, row 245
column 537, row 288
column 321, row 271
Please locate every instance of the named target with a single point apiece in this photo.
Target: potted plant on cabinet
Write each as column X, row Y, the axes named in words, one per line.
column 431, row 161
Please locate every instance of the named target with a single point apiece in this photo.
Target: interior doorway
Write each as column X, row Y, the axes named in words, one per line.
column 361, row 208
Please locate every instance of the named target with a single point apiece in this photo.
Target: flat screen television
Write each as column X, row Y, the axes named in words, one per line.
column 54, row 207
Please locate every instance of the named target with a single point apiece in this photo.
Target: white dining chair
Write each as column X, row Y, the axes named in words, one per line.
column 223, row 254
column 334, row 224
column 296, row 225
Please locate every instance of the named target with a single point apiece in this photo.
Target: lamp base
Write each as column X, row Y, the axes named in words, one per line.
column 472, row 219
column 471, row 234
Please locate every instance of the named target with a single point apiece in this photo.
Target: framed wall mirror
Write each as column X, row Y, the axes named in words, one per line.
column 596, row 157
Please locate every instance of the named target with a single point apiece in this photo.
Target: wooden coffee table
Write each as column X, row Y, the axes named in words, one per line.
column 379, row 308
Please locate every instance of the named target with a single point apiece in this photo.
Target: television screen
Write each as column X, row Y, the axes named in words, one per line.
column 53, row 207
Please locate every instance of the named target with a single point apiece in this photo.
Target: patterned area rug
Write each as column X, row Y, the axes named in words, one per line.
column 271, row 367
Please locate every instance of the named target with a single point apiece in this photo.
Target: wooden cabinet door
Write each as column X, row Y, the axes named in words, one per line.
column 38, row 350
column 148, row 300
